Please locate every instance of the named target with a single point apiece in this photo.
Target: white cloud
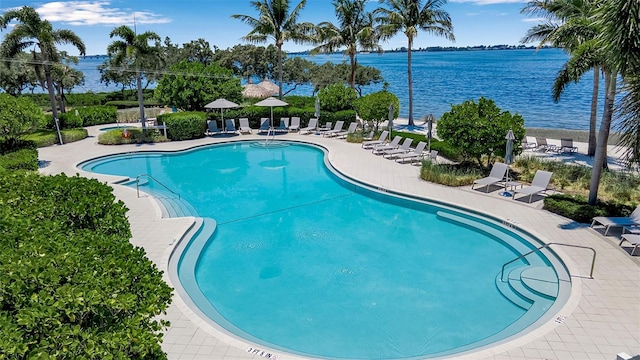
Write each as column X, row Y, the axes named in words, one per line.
column 489, row 2
column 82, row 13
column 536, row 20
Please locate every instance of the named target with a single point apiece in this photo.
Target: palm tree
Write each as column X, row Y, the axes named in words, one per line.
column 274, row 20
column 410, row 16
column 355, row 30
column 134, row 51
column 569, row 23
column 37, row 34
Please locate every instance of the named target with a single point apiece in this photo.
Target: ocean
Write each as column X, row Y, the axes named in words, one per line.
column 519, row 81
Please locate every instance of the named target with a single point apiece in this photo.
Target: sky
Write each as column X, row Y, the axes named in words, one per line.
column 475, row 22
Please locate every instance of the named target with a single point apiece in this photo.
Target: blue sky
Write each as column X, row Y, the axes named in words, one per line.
column 476, row 22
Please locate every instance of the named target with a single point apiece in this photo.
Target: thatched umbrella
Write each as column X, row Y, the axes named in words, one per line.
column 269, row 86
column 252, row 90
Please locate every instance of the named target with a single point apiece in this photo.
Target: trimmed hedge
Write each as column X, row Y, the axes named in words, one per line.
column 577, row 208
column 49, row 137
column 67, row 120
column 23, row 159
column 12, row 144
column 184, row 125
column 98, row 115
column 72, row 284
column 114, row 137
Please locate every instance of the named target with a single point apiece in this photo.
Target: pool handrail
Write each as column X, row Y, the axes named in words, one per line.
column 156, row 180
column 593, row 260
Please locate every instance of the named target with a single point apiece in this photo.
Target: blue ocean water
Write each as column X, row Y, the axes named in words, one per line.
column 517, row 80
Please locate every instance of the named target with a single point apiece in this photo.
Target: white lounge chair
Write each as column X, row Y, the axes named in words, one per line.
column 415, row 154
column 403, row 149
column 212, row 128
column 367, row 137
column 230, row 126
column 336, row 129
column 264, row 126
column 327, row 127
column 295, row 124
column 633, row 239
column 383, row 147
column 566, row 145
column 350, row 130
column 538, row 185
column 620, row 221
column 498, row 171
column 313, row 124
column 244, row 126
column 433, row 156
column 284, row 125
column 371, row 143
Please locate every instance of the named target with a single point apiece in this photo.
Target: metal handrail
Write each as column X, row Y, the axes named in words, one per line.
column 154, row 179
column 593, row 261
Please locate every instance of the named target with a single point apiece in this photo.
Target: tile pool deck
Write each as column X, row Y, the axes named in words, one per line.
column 600, row 320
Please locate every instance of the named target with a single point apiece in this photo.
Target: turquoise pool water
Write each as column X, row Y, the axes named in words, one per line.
column 306, row 262
column 108, row 128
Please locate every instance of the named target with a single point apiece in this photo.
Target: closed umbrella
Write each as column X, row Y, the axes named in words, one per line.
column 271, row 102
column 429, row 130
column 508, row 159
column 221, row 104
column 391, row 113
column 317, row 114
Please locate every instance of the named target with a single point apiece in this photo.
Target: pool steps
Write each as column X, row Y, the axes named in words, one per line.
column 171, row 205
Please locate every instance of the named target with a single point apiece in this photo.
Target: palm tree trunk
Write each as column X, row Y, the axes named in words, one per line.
column 52, row 100
column 603, row 136
column 280, row 71
column 141, row 101
column 594, row 111
column 410, row 79
column 352, row 76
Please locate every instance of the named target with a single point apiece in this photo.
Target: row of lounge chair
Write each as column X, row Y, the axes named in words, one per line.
column 498, row 176
column 629, row 223
column 400, row 152
column 541, row 144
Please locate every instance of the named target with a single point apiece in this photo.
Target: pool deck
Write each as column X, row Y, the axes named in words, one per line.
column 600, row 319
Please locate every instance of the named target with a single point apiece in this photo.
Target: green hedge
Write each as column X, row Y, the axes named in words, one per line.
column 97, row 115
column 67, row 120
column 72, row 284
column 44, row 138
column 23, row 159
column 85, row 99
column 12, row 144
column 348, row 116
column 184, row 125
column 114, row 137
column 577, row 208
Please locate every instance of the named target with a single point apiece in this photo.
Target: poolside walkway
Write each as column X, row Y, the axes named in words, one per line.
column 600, row 320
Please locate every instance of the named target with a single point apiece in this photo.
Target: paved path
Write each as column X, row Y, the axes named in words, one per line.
column 600, row 320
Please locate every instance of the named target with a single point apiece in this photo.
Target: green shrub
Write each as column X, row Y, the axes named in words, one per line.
column 13, row 144
column 73, row 286
column 578, row 209
column 44, row 138
column 97, row 115
column 114, row 137
column 449, row 174
column 300, row 101
column 348, row 116
column 24, row 159
column 18, row 116
column 337, row 97
column 375, row 107
column 446, row 150
column 85, row 99
column 67, row 120
column 184, row 125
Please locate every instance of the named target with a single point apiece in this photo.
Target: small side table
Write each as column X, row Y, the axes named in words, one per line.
column 510, row 187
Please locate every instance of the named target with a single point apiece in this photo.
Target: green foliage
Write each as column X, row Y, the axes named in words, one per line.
column 67, row 120
column 479, row 129
column 445, row 150
column 13, row 144
column 73, row 286
column 18, row 116
column 23, row 159
column 375, row 107
column 449, row 174
column 191, row 85
column 185, row 125
column 577, row 208
column 85, row 99
column 337, row 97
column 114, row 137
column 97, row 115
column 300, row 101
column 49, row 137
column 348, row 116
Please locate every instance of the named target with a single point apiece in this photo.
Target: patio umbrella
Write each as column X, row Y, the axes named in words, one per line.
column 508, row 158
column 252, row 90
column 269, row 86
column 391, row 113
column 221, row 104
column 271, row 102
column 429, row 130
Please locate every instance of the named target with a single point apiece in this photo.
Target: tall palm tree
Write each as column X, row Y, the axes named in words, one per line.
column 134, row 51
column 568, row 24
column 355, row 30
column 38, row 35
column 276, row 21
column 410, row 16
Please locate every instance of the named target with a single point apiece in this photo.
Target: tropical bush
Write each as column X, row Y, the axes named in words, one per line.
column 18, row 116
column 135, row 136
column 13, row 144
column 72, row 284
column 97, row 115
column 337, row 97
column 577, row 208
column 23, row 159
column 449, row 174
column 479, row 129
column 184, row 125
column 375, row 107
column 67, row 120
column 85, row 99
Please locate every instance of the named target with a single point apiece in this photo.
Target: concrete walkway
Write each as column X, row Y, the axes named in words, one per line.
column 600, row 320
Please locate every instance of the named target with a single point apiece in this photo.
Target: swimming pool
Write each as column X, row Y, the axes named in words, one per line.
column 305, row 261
